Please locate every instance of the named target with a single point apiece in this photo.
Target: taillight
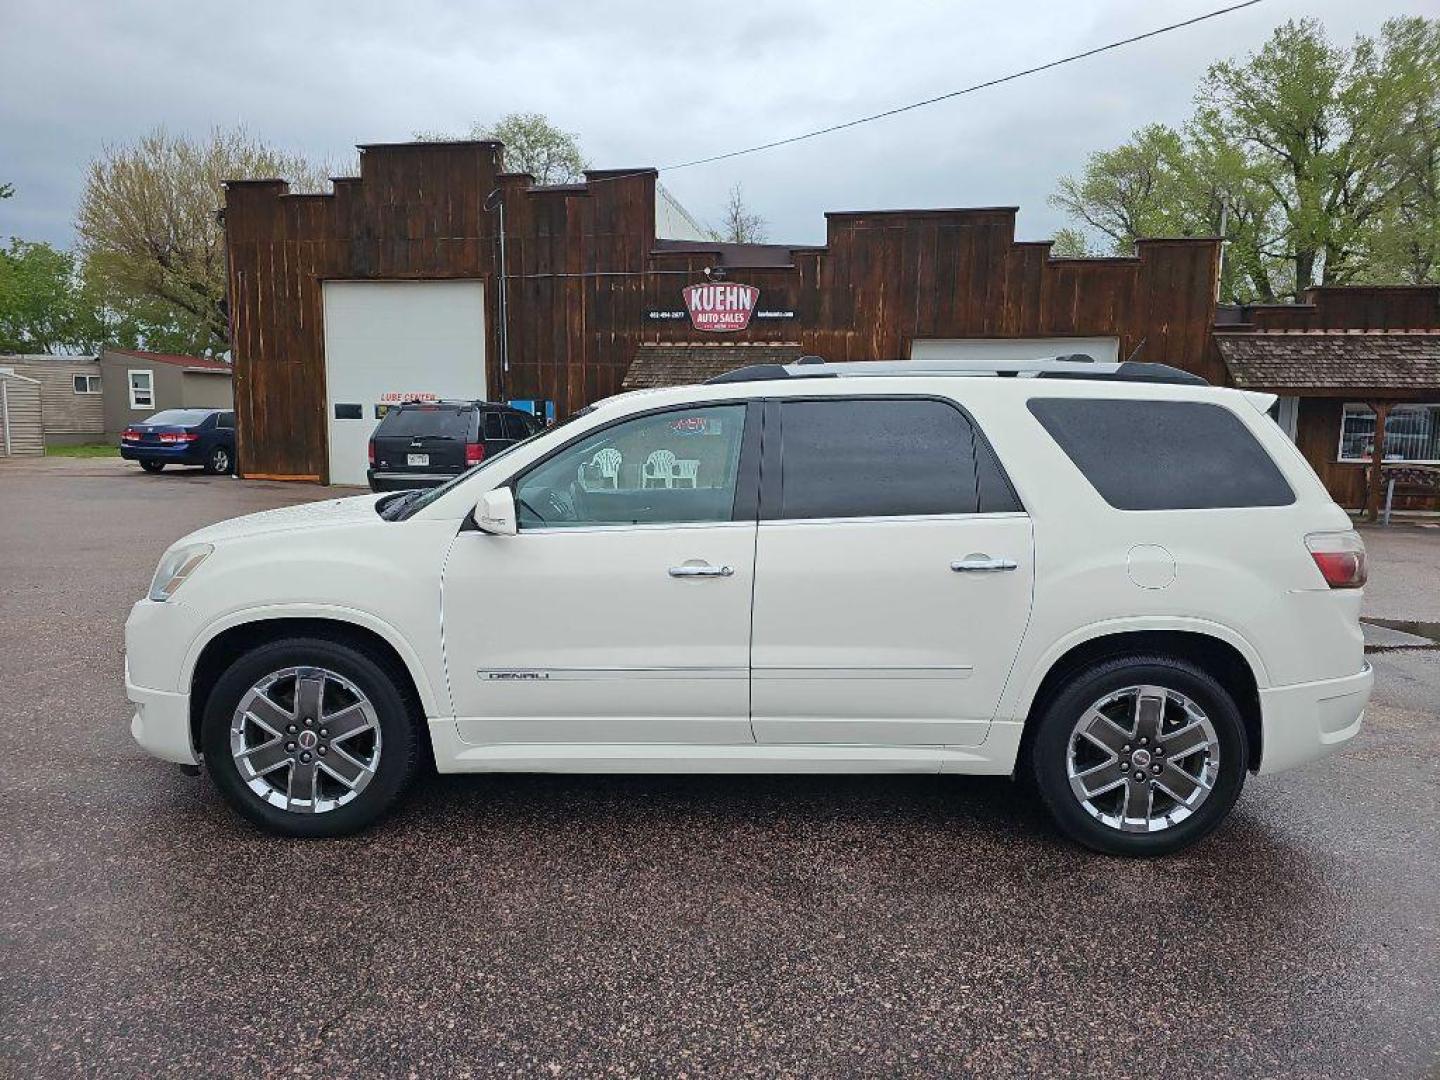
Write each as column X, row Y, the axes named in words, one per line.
column 372, row 453
column 178, row 437
column 130, row 435
column 1340, row 557
column 474, row 453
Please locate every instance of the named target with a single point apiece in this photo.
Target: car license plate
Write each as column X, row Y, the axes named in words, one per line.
column 417, row 459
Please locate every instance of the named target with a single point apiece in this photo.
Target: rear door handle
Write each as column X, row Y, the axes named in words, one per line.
column 983, row 565
column 701, row 571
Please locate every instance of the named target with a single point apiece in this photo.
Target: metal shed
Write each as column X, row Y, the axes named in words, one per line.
column 22, row 433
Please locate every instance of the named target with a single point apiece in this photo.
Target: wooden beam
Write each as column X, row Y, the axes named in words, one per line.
column 1374, row 483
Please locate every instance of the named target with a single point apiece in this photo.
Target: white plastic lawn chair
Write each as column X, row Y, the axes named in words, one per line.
column 658, row 470
column 606, row 462
column 686, row 473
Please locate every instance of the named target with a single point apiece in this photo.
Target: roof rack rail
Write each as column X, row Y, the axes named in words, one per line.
column 1069, row 366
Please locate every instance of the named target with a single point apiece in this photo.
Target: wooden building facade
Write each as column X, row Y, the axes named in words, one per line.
column 1357, row 369
column 588, row 285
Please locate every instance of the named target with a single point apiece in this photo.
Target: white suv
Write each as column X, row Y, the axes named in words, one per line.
column 1112, row 580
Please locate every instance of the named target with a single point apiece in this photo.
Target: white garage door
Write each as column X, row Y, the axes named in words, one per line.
column 386, row 341
column 1105, row 350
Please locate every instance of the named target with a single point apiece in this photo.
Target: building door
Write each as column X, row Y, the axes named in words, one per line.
column 893, row 572
column 620, row 611
column 389, row 341
column 1104, row 350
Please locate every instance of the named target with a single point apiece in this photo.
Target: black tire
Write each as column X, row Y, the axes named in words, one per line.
column 218, row 462
column 152, row 466
column 1050, row 748
column 399, row 747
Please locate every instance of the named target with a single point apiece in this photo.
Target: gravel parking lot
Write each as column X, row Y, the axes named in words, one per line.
column 594, row 926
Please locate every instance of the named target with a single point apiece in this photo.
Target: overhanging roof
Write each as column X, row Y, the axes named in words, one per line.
column 656, row 366
column 1331, row 362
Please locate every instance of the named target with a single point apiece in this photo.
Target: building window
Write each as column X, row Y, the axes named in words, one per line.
column 87, row 384
column 1412, row 433
column 142, row 390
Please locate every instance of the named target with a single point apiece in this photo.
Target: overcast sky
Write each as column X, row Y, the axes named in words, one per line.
column 641, row 83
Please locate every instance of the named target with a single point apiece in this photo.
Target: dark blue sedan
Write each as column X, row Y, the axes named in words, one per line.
column 204, row 437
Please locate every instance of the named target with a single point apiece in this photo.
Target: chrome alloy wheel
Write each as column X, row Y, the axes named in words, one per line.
column 305, row 739
column 1143, row 759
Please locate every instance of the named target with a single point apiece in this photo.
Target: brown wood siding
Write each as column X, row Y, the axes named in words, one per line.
column 1317, row 434
column 582, row 272
column 1346, row 307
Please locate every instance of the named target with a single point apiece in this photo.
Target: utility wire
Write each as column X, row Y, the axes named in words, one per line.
column 960, row 93
column 933, row 100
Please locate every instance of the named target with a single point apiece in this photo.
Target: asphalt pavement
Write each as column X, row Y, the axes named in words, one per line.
column 665, row 926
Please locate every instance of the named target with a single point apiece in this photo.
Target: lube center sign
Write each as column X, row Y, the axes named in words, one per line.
column 720, row 307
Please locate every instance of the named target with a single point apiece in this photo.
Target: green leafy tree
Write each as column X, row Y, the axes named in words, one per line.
column 1071, row 244
column 532, row 144
column 44, row 307
column 1316, row 163
column 149, row 235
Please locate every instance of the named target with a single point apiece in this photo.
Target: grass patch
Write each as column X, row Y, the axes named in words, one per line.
column 84, row 450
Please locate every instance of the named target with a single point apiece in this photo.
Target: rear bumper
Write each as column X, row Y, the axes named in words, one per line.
column 161, row 723
column 387, row 480
column 171, row 455
column 1308, row 721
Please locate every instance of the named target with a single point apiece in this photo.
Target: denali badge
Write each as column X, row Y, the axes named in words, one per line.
column 514, row 674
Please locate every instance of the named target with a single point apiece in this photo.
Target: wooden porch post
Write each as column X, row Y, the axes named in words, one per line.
column 1374, row 484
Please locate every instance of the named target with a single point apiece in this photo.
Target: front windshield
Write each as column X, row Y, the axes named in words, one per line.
column 411, row 502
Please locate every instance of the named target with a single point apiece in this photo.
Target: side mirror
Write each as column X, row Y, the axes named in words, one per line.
column 495, row 512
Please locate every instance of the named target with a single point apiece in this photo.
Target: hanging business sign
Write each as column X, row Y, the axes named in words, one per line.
column 720, row 307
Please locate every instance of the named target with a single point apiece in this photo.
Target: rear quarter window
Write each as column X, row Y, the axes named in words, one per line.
column 1164, row 455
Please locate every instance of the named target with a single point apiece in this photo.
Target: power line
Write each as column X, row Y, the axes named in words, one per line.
column 959, row 93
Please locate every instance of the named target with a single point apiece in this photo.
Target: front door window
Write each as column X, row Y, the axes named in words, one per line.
column 672, row 467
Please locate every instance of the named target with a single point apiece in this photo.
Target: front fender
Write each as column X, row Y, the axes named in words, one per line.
column 435, row 703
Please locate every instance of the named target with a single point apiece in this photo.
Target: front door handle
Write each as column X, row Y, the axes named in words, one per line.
column 982, row 565
column 701, row 571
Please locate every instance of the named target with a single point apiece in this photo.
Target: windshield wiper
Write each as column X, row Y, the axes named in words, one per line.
column 397, row 504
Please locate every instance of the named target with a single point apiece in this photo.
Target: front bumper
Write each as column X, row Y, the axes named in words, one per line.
column 1309, row 721
column 162, row 722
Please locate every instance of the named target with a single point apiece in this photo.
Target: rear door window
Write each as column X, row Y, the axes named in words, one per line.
column 880, row 457
column 1164, row 455
column 514, row 427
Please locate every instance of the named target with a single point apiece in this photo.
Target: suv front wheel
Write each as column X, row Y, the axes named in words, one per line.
column 309, row 737
column 1139, row 755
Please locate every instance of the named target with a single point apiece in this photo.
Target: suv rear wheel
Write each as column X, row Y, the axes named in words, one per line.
column 308, row 737
column 1139, row 755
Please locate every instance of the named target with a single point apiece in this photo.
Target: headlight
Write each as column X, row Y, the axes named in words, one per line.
column 175, row 567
